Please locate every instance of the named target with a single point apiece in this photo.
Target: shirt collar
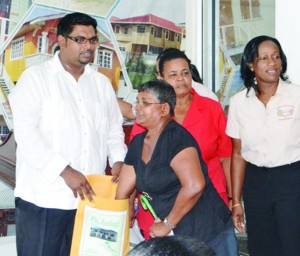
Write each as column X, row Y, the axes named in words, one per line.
column 281, row 89
column 58, row 67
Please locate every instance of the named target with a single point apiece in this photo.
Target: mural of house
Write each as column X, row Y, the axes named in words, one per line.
column 146, row 34
column 107, row 62
column 36, row 42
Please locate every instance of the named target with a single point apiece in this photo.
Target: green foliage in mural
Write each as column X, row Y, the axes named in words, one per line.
column 139, row 72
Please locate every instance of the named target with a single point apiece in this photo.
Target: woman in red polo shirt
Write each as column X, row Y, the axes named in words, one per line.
column 204, row 118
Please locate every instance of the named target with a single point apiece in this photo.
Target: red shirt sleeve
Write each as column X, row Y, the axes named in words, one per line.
column 224, row 142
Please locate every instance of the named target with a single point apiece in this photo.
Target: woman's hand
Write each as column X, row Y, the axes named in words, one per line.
column 238, row 218
column 159, row 229
column 115, row 171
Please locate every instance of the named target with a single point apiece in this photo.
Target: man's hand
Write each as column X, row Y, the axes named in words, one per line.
column 77, row 182
column 116, row 170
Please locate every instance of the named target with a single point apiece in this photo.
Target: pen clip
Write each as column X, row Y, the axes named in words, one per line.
column 147, row 206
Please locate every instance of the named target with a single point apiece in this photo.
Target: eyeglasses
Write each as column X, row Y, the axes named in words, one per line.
column 144, row 104
column 83, row 40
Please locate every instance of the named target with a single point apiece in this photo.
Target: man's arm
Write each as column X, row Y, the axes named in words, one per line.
column 26, row 103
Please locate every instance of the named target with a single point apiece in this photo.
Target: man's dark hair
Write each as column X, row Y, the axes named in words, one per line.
column 172, row 246
column 67, row 23
column 164, row 92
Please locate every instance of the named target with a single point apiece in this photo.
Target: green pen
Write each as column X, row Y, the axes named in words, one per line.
column 147, row 206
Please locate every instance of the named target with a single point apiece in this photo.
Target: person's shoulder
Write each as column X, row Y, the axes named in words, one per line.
column 99, row 75
column 177, row 132
column 204, row 91
column 290, row 87
column 38, row 68
column 103, row 81
column 241, row 96
column 203, row 102
column 137, row 137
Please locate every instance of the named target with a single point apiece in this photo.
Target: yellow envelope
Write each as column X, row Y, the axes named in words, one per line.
column 90, row 229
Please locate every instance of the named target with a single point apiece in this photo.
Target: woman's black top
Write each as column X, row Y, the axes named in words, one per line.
column 158, row 180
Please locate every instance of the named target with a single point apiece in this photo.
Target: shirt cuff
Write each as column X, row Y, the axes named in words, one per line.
column 116, row 157
column 54, row 167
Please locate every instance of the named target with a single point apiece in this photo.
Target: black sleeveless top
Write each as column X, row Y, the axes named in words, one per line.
column 210, row 214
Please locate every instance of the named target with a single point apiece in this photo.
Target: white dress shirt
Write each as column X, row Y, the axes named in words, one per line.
column 204, row 91
column 270, row 136
column 59, row 121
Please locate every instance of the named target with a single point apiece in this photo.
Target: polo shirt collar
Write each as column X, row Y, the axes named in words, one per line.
column 281, row 89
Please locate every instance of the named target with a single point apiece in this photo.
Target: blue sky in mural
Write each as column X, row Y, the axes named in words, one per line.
column 43, row 11
column 173, row 10
column 40, row 12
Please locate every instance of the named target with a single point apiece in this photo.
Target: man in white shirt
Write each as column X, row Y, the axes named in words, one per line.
column 66, row 123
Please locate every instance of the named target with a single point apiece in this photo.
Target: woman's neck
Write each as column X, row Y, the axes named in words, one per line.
column 151, row 138
column 182, row 107
column 156, row 130
column 266, row 92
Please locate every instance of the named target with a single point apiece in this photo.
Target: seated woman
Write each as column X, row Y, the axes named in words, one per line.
column 164, row 163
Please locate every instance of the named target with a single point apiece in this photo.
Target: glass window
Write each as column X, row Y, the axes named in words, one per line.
column 17, row 49
column 171, row 35
column 141, row 29
column 167, row 35
column 250, row 9
column 152, row 31
column 105, row 59
column 158, row 32
column 239, row 21
column 40, row 45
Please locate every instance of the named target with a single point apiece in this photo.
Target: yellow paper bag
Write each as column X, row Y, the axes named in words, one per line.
column 102, row 226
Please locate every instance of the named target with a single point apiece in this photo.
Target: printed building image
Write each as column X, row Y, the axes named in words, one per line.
column 140, row 40
column 36, row 42
column 147, row 34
